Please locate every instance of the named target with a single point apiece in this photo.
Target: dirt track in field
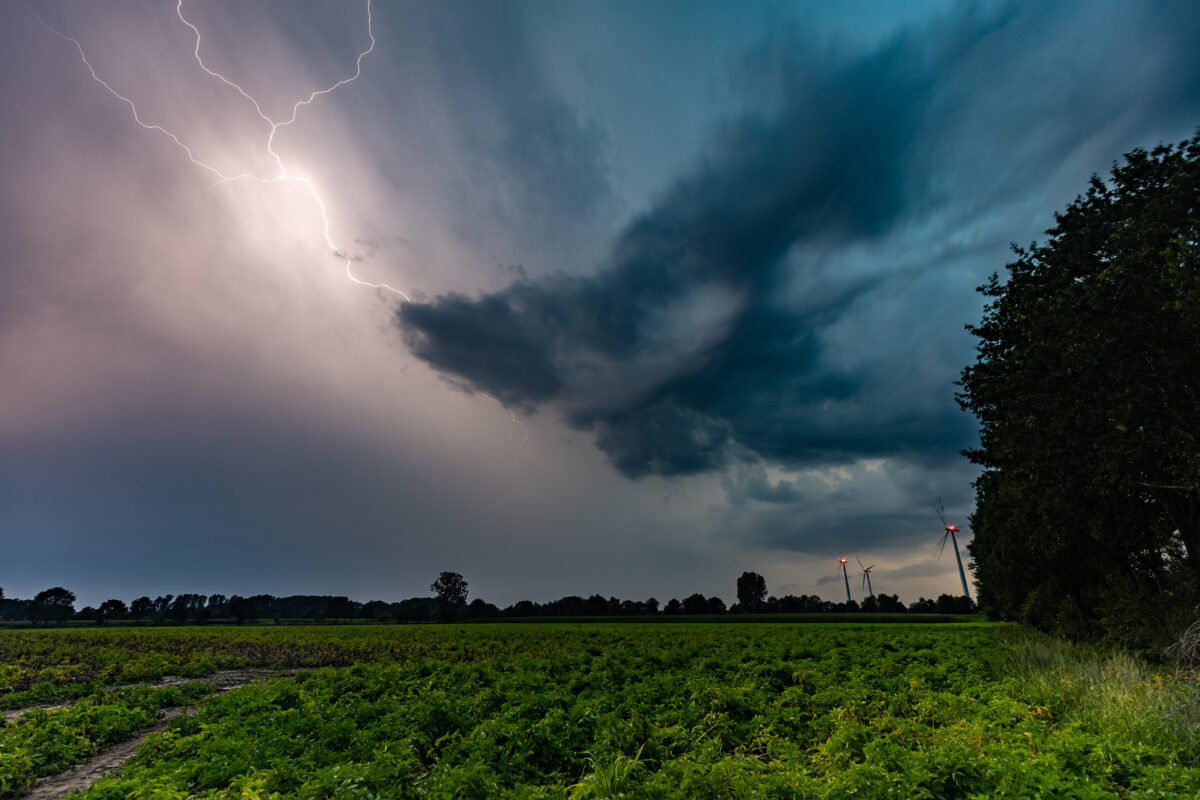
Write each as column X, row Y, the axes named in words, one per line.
column 83, row 775
column 225, row 679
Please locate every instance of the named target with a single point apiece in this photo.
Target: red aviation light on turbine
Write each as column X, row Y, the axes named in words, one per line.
column 842, row 560
column 948, row 534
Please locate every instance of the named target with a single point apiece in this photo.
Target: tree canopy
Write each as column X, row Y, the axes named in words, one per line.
column 450, row 588
column 53, row 605
column 1086, row 388
column 751, row 590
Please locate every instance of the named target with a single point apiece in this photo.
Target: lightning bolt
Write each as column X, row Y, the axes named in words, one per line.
column 511, row 415
column 282, row 174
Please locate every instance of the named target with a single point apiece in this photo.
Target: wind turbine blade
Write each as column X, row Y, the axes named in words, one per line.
column 864, row 580
column 942, row 544
column 941, row 511
column 859, row 560
column 868, row 569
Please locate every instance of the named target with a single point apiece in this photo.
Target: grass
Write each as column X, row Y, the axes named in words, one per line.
column 1105, row 690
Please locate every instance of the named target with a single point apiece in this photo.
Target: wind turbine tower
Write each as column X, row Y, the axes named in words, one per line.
column 846, row 578
column 949, row 534
column 867, row 577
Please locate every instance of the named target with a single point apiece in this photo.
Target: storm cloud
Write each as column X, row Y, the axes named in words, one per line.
column 729, row 321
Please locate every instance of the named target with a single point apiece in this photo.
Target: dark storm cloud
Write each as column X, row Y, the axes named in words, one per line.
column 844, row 154
column 488, row 343
column 820, row 172
column 751, row 483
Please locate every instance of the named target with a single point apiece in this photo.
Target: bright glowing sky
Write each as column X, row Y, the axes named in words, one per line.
column 689, row 284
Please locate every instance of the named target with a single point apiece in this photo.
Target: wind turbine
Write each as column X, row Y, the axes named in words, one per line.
column 867, row 577
column 949, row 534
column 846, row 578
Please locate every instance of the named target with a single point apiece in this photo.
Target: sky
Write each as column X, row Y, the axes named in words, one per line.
column 568, row 297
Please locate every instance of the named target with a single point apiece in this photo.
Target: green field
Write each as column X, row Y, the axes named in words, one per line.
column 629, row 710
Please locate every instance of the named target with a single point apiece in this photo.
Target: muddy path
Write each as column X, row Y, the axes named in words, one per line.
column 224, row 679
column 84, row 774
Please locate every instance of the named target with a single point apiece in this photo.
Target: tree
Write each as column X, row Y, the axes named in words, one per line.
column 1087, row 392
column 265, row 606
column 110, row 609
column 242, row 608
column 416, row 609
column 699, row 604
column 523, row 608
column 450, row 589
column 340, row 608
column 889, row 603
column 53, row 605
column 923, row 606
column 141, row 608
column 216, row 605
column 751, row 590
column 376, row 609
column 480, row 609
column 595, row 606
column 195, row 605
column 954, row 604
column 162, row 604
column 180, row 607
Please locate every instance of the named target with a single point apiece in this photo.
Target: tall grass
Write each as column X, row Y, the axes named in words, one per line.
column 1105, row 690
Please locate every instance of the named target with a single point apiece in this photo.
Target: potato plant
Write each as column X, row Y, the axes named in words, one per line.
column 45, row 741
column 672, row 712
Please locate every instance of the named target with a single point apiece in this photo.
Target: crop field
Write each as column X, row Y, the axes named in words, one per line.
column 601, row 711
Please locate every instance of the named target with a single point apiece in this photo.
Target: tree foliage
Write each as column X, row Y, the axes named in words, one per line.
column 1086, row 388
column 111, row 609
column 53, row 605
column 751, row 590
column 450, row 588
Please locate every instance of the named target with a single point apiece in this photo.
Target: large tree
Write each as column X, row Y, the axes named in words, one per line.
column 450, row 588
column 751, row 591
column 53, row 605
column 141, row 607
column 1086, row 388
column 111, row 609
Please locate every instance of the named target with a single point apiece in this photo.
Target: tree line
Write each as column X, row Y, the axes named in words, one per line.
column 448, row 603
